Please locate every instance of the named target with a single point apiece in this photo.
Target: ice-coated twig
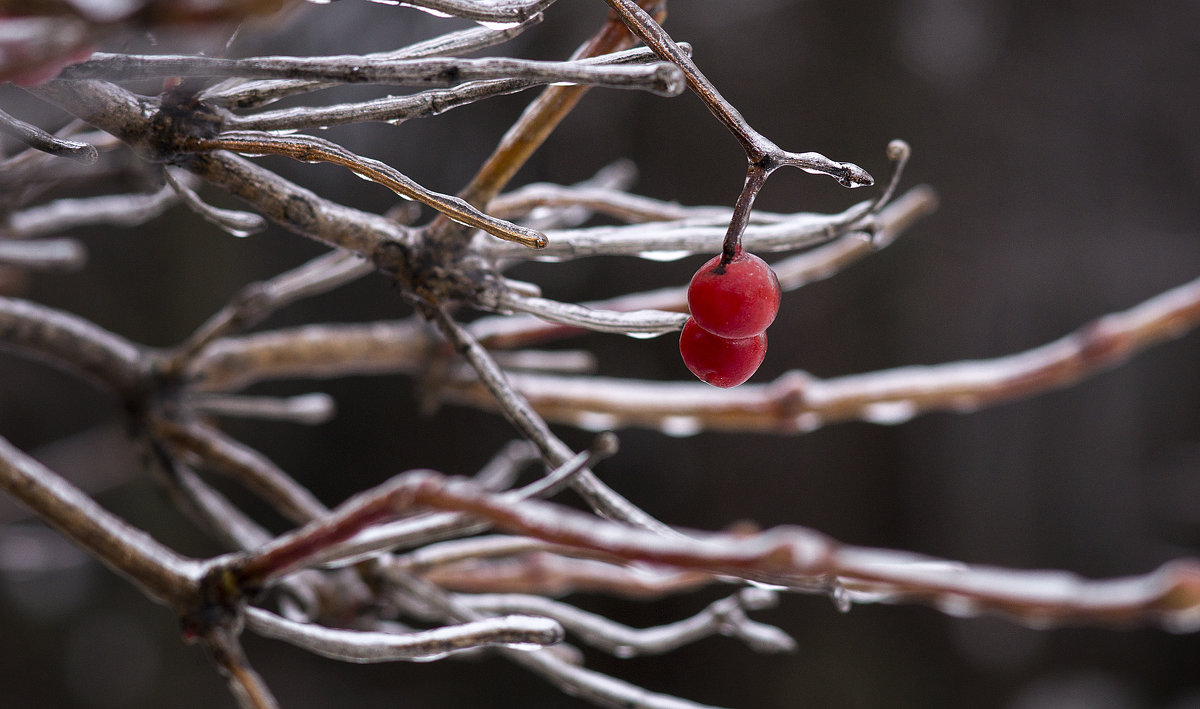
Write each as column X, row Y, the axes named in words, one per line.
column 536, row 123
column 67, row 340
column 677, row 239
column 233, row 221
column 246, row 685
column 793, row 272
column 392, row 109
column 63, row 214
column 395, row 109
column 798, row 402
column 248, row 466
column 367, row 647
column 550, row 574
column 494, row 11
column 763, row 157
column 639, row 322
column 616, row 203
column 258, row 300
column 423, row 529
column 237, row 93
column 313, row 351
column 791, row 557
column 124, row 114
column 157, row 570
column 660, row 78
column 724, row 617
column 503, row 468
column 44, row 255
column 309, row 149
column 403, row 347
column 516, row 409
column 309, row 409
column 595, row 687
column 39, row 139
column 572, row 678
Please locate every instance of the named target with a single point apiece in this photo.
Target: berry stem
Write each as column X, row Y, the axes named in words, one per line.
column 756, row 175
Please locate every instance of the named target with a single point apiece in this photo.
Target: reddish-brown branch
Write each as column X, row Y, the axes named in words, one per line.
column 798, row 402
column 792, row 557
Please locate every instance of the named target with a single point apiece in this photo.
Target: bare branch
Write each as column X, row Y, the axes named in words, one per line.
column 516, row 409
column 798, row 402
column 661, row 241
column 551, row 574
column 724, row 617
column 396, row 109
column 63, row 214
column 45, row 255
column 247, row 465
column 249, row 94
column 790, row 557
column 313, row 351
column 258, row 300
column 235, row 222
column 495, row 11
column 158, row 571
column 367, row 647
column 246, row 685
column 661, row 78
column 308, row 409
column 66, row 340
column 635, row 322
column 309, row 149
column 39, row 139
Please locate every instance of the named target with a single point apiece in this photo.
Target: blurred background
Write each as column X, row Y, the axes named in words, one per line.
column 1062, row 138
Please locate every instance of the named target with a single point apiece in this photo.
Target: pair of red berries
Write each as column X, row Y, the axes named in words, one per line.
column 732, row 304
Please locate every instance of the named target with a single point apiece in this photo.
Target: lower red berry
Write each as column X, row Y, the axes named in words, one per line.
column 721, row 361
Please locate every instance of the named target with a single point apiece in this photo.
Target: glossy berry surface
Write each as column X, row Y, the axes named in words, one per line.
column 737, row 300
column 721, row 361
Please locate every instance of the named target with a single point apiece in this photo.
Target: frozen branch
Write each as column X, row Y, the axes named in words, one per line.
column 793, row 272
column 249, row 94
column 494, row 11
column 246, row 685
column 248, row 466
column 395, row 109
column 45, row 255
column 68, row 341
column 798, row 402
column 63, row 214
column 39, row 139
column 548, row 574
column 663, row 79
column 724, row 617
column 235, row 222
column 313, row 352
column 636, row 322
column 158, row 571
column 516, row 409
column 258, row 300
column 308, row 409
column 367, row 647
column 790, row 557
column 309, row 149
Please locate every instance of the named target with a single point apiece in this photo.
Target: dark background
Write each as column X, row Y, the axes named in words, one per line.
column 1062, row 138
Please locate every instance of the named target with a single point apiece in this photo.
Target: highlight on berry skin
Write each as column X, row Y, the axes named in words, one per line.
column 721, row 361
column 736, row 299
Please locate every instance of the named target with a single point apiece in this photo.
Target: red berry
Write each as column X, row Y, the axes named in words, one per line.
column 721, row 361
column 737, row 300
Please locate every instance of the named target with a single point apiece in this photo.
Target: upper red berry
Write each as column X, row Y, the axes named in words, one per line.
column 739, row 299
column 721, row 361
